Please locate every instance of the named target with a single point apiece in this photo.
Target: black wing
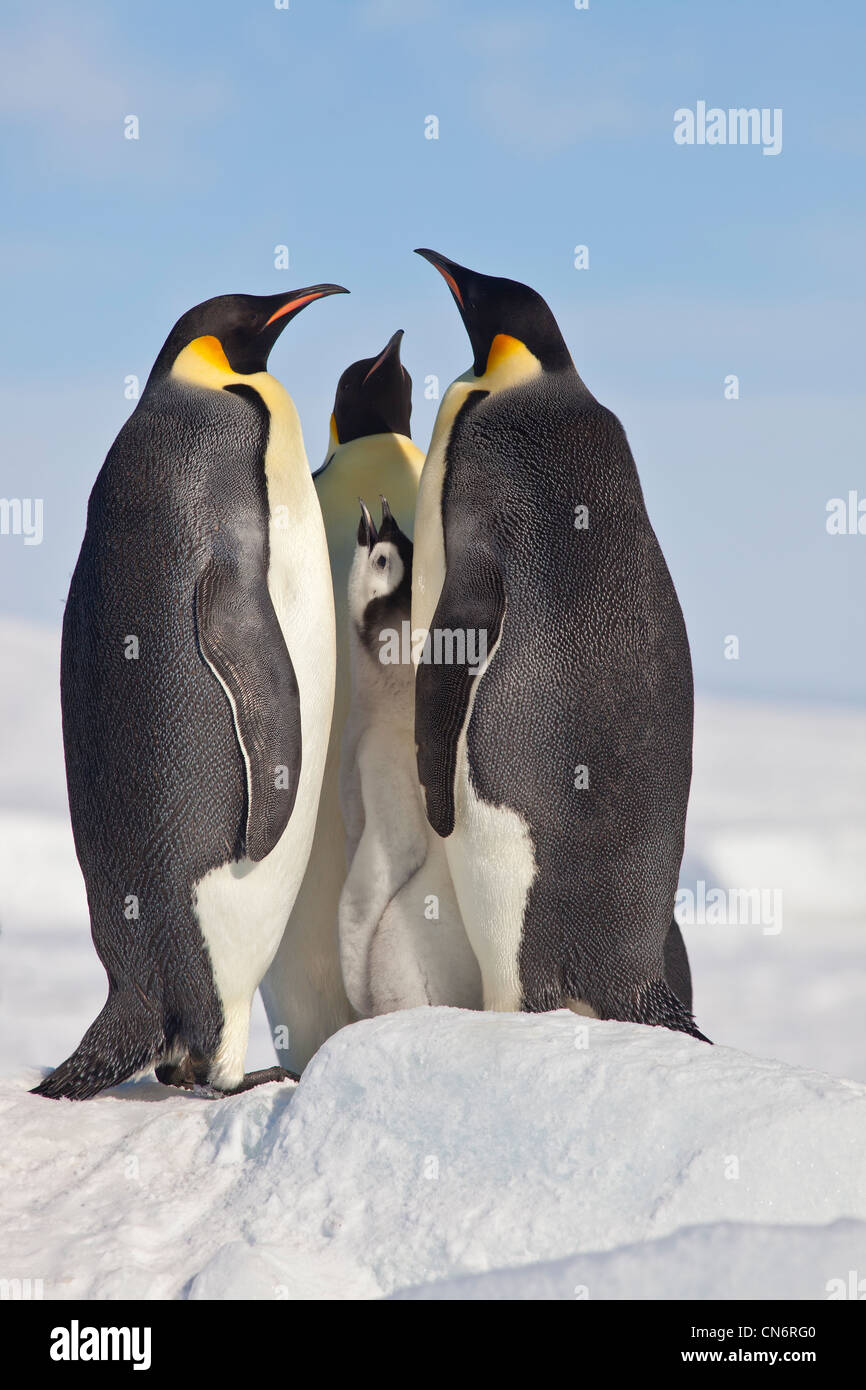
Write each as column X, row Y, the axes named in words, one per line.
column 472, row 598
column 241, row 640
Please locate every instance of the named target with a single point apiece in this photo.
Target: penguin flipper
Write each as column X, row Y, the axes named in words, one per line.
column 241, row 640
column 443, row 690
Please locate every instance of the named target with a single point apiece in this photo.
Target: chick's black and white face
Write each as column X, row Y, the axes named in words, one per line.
column 385, row 569
column 377, row 574
column 380, row 580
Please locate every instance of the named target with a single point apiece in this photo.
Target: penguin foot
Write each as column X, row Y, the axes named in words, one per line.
column 260, row 1078
column 204, row 1092
column 180, row 1074
column 187, row 1078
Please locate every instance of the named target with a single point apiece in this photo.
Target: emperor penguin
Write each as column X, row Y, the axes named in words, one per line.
column 558, row 773
column 402, row 941
column 197, row 682
column 370, row 451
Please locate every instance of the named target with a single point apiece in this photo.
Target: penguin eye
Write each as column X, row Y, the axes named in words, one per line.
column 381, row 562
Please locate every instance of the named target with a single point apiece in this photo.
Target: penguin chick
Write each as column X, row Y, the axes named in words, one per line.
column 402, row 942
column 369, row 451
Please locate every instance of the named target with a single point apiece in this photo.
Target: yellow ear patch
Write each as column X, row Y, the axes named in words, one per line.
column 509, row 362
column 204, row 363
column 502, row 349
column 211, row 350
column 334, row 438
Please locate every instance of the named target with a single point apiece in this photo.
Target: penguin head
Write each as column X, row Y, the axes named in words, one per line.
column 493, row 308
column 380, row 581
column 237, row 331
column 374, row 396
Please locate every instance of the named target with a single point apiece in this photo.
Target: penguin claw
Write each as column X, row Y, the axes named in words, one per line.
column 252, row 1079
column 205, row 1091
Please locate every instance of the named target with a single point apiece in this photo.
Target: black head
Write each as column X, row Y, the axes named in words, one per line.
column 389, row 532
column 374, row 396
column 490, row 306
column 245, row 326
column 380, row 586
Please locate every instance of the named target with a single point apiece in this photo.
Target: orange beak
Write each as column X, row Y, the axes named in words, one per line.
column 305, row 297
column 440, row 263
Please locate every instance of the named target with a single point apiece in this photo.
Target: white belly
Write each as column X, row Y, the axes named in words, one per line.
column 402, row 941
column 490, row 852
column 392, row 843
column 492, row 862
column 303, row 989
column 420, row 953
column 242, row 908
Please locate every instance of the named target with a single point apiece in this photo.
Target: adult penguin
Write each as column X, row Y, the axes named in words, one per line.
column 558, row 775
column 370, row 451
column 197, row 677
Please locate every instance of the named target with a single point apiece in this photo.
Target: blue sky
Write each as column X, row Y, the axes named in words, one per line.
column 305, row 127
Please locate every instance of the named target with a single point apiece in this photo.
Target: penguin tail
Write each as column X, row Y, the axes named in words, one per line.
column 125, row 1038
column 657, row 1005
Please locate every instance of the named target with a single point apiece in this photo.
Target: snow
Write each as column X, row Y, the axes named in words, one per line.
column 706, row 1262
column 779, row 801
column 437, row 1143
column 439, row 1153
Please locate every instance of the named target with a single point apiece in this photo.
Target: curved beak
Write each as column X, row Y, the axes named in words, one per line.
column 472, row 295
column 367, row 533
column 450, row 271
column 286, row 306
column 390, row 352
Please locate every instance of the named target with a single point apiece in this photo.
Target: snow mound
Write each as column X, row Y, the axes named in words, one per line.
column 706, row 1262
column 435, row 1144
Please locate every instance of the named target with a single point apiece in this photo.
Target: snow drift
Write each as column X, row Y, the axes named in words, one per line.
column 439, row 1143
